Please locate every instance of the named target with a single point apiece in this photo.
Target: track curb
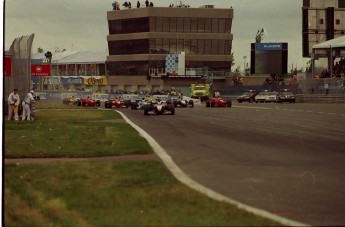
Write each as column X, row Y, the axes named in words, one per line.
column 183, row 178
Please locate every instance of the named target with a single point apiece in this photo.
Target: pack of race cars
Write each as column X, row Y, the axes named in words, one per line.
column 166, row 104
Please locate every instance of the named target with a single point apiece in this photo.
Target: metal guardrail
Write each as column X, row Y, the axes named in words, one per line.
column 320, row 98
column 309, row 98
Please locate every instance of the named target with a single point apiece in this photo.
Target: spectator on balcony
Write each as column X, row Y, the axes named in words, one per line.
column 147, row 3
column 138, row 4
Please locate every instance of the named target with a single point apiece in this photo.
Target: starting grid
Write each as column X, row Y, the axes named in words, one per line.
column 104, row 97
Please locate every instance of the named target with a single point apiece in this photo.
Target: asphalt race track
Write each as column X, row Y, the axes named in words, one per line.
column 288, row 159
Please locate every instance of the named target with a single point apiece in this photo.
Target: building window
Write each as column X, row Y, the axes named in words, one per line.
column 208, row 46
column 321, row 21
column 194, row 25
column 166, row 24
column 306, row 3
column 159, row 24
column 193, row 46
column 179, row 24
column 222, row 26
column 172, row 46
column 129, row 26
column 341, row 3
column 166, row 47
column 201, row 25
column 173, row 22
column 337, row 21
column 123, row 47
column 208, row 25
column 215, row 25
column 186, row 25
column 214, row 49
column 201, row 46
column 227, row 25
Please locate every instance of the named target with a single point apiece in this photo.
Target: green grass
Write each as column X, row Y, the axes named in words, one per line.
column 104, row 193
column 110, row 194
column 72, row 133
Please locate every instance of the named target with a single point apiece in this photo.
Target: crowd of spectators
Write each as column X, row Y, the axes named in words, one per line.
column 237, row 80
column 339, row 68
column 128, row 5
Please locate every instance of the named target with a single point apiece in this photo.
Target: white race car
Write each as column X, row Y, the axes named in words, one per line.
column 266, row 96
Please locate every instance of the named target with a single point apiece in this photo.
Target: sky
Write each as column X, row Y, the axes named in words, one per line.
column 82, row 24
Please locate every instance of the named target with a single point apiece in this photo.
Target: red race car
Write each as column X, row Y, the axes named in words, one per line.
column 88, row 102
column 218, row 102
column 117, row 102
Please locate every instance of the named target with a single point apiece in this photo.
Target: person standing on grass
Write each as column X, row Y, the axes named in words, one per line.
column 29, row 98
column 13, row 103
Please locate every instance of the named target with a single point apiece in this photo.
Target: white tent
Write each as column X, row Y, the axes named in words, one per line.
column 333, row 43
column 329, row 49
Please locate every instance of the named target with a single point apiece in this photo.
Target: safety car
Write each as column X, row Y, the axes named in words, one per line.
column 248, row 96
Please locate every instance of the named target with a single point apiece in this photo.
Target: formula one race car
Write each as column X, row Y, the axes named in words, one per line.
column 159, row 107
column 139, row 103
column 88, row 102
column 218, row 102
column 117, row 102
column 70, row 101
column 179, row 102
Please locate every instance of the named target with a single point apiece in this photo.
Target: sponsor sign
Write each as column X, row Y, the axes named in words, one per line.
column 268, row 46
column 96, row 80
column 8, row 66
column 72, row 80
column 101, row 97
column 40, row 70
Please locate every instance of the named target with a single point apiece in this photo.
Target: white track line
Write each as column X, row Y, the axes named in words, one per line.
column 182, row 177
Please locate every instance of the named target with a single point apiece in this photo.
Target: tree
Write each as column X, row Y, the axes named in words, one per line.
column 40, row 50
column 233, row 61
column 259, row 35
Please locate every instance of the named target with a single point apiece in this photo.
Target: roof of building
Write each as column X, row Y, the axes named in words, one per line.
column 78, row 57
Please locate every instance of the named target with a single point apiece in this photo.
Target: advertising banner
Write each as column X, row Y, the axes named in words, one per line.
column 40, row 70
column 72, row 80
column 95, row 80
column 8, row 66
column 268, row 46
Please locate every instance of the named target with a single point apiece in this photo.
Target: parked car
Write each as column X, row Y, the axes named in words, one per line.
column 248, row 96
column 266, row 96
column 286, row 96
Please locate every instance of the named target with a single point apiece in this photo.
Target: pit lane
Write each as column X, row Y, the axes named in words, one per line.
column 287, row 159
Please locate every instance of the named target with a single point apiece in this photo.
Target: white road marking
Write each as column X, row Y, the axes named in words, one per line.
column 183, row 178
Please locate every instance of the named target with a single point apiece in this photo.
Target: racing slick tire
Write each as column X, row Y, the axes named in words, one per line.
column 134, row 106
column 98, row 103
column 191, row 103
column 146, row 110
column 171, row 108
column 239, row 101
column 208, row 104
column 229, row 103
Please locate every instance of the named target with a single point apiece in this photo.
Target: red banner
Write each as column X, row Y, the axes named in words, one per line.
column 40, row 70
column 8, row 66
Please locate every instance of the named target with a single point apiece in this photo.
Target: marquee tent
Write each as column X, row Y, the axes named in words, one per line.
column 329, row 49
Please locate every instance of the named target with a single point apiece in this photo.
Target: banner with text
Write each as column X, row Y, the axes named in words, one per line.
column 95, row 80
column 40, row 70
